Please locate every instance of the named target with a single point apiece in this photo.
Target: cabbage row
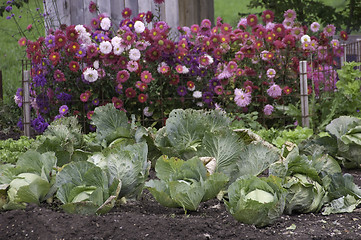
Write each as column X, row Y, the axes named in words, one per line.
column 196, row 157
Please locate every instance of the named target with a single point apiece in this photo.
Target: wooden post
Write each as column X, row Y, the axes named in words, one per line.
column 1, row 86
column 304, row 94
column 26, row 103
column 343, row 57
column 358, row 52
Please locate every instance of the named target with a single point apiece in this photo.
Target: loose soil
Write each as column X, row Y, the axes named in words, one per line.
column 146, row 219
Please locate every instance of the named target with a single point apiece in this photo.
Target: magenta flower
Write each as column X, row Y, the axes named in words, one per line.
column 218, row 90
column 130, row 93
column 118, row 103
column 329, row 30
column 132, row 66
column 290, row 14
column 59, row 76
column 122, row 76
column 126, row 13
column 84, row 97
column 146, row 77
column 92, row 7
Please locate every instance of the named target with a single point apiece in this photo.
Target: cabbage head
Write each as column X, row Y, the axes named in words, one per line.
column 184, row 183
column 85, row 188
column 304, row 194
column 256, row 201
column 26, row 188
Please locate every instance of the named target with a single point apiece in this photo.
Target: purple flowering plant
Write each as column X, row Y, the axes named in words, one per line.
column 142, row 70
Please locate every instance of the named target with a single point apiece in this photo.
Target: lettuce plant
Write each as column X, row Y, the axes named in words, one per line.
column 184, row 183
column 257, row 201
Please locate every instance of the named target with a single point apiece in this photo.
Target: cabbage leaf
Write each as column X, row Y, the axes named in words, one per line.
column 182, row 136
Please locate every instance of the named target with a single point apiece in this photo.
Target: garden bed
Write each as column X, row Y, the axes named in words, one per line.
column 146, row 219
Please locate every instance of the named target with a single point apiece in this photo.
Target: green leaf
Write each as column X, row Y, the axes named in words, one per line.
column 85, row 188
column 73, row 173
column 111, row 123
column 304, row 194
column 7, row 173
column 341, row 125
column 28, row 188
column 166, row 168
column 342, row 185
column 130, row 165
column 35, row 162
column 187, row 194
column 254, row 160
column 344, row 204
column 213, row 185
column 182, row 136
column 161, row 193
column 225, row 147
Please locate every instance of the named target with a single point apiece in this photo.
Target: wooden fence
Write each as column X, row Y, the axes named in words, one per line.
column 352, row 52
column 174, row 12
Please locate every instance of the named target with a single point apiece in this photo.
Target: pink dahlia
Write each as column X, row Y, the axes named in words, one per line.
column 274, row 91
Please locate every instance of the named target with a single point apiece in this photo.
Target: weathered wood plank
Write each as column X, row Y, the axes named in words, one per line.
column 116, row 12
column 171, row 14
column 105, row 7
column 133, row 5
column 144, row 5
column 88, row 16
column 206, row 10
column 58, row 12
column 77, row 12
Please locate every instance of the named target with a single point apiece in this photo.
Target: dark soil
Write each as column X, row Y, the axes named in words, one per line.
column 146, row 219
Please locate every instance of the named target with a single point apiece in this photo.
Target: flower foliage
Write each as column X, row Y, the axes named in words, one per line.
column 142, row 70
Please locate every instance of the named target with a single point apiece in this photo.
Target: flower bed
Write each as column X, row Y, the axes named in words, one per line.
column 142, row 70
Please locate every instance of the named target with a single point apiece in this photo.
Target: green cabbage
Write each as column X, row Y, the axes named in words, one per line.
column 182, row 136
column 184, row 183
column 85, row 188
column 347, row 133
column 304, row 195
column 257, row 201
column 129, row 164
column 26, row 188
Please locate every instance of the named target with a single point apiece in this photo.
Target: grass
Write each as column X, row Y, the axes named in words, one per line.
column 229, row 10
column 11, row 53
